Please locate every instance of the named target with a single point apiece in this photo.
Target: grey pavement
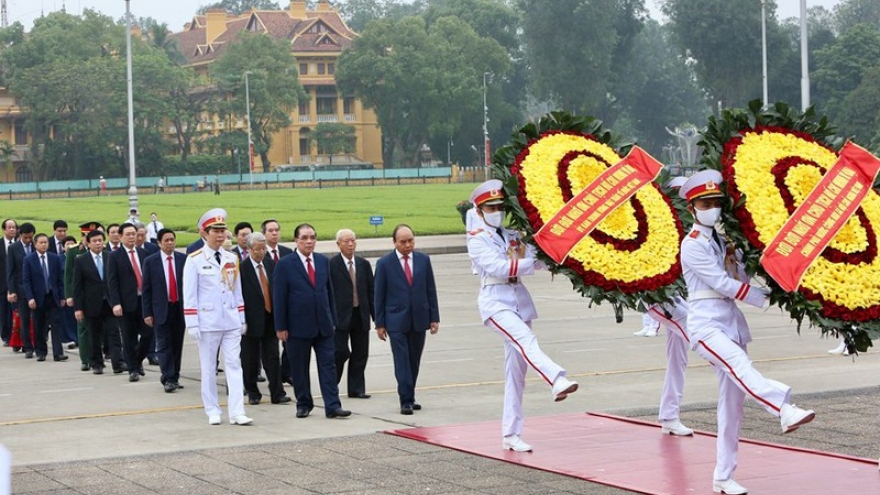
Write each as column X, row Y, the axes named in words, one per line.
column 76, row 433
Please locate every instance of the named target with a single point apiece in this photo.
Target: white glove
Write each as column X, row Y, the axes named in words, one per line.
column 243, row 328
column 193, row 332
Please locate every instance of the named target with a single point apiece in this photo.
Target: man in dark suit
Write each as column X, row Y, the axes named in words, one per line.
column 260, row 340
column 242, row 230
column 82, row 330
column 406, row 307
column 56, row 240
column 163, row 310
column 305, row 317
column 14, row 264
column 92, row 304
column 44, row 291
column 113, row 237
column 352, row 278
column 124, row 289
column 10, row 230
column 141, row 239
column 272, row 230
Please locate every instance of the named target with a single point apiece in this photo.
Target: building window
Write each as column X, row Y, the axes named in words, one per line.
column 318, row 27
column 348, row 105
column 20, row 134
column 303, row 69
column 24, row 174
column 331, row 68
column 321, row 69
column 304, row 107
column 305, row 143
column 326, row 106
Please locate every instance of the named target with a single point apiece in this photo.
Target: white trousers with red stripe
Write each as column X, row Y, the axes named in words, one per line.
column 737, row 379
column 677, row 344
column 521, row 351
column 229, row 342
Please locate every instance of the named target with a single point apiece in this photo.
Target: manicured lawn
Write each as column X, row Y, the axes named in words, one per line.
column 429, row 209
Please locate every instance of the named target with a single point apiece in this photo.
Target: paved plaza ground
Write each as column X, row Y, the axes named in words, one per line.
column 76, row 433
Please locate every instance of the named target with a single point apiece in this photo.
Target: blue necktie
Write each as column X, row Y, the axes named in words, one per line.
column 99, row 262
column 45, row 271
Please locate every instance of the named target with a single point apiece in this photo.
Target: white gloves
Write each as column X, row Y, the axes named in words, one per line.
column 193, row 332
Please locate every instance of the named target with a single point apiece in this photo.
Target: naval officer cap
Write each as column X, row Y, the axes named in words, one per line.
column 85, row 228
column 215, row 218
column 676, row 182
column 703, row 184
column 488, row 193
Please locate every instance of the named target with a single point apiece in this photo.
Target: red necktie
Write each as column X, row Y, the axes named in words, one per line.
column 172, row 282
column 137, row 269
column 264, row 284
column 275, row 257
column 311, row 271
column 406, row 270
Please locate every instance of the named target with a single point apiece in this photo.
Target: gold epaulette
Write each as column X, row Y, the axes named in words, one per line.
column 197, row 251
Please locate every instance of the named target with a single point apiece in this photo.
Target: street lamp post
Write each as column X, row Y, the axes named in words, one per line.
column 237, row 154
column 486, row 148
column 764, row 50
column 247, row 102
column 132, row 187
column 805, row 59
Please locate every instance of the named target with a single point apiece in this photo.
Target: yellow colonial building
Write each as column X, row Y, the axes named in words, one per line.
column 15, row 167
column 317, row 38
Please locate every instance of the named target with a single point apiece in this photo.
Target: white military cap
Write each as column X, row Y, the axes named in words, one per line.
column 213, row 218
column 703, row 184
column 488, row 193
column 676, row 182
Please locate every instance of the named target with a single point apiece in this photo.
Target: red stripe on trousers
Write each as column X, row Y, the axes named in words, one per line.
column 521, row 350
column 680, row 330
column 747, row 389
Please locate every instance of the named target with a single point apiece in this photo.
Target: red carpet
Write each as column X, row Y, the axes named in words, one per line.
column 633, row 455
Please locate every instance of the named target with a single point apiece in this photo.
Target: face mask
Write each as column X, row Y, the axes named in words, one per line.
column 708, row 217
column 494, row 219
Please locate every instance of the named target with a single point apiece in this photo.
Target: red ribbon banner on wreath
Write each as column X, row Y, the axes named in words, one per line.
column 586, row 210
column 820, row 217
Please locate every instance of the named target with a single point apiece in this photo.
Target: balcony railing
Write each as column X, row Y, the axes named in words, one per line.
column 328, row 118
column 305, row 118
column 349, row 117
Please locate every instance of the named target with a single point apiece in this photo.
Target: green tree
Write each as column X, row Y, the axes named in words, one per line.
column 333, row 138
column 421, row 80
column 860, row 111
column 273, row 84
column 849, row 13
column 570, row 45
column 842, row 66
column 239, row 7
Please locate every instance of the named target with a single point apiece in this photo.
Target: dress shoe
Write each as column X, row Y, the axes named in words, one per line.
column 169, row 387
column 261, row 378
column 730, row 487
column 338, row 413
column 282, row 400
column 516, row 444
column 29, row 355
column 98, row 371
column 214, row 420
column 178, row 385
column 141, row 372
column 792, row 417
column 406, row 410
column 240, row 420
column 303, row 412
column 675, row 428
column 41, row 358
column 133, row 376
column 254, row 401
column 72, row 345
column 416, row 406
column 117, row 371
column 153, row 361
column 84, row 367
column 288, row 381
column 359, row 396
column 62, row 357
column 16, row 349
column 562, row 386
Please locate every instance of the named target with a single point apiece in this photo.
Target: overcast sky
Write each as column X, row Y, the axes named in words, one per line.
column 177, row 12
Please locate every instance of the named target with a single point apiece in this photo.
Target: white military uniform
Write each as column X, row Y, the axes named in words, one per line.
column 213, row 304
column 718, row 332
column 507, row 308
column 673, row 317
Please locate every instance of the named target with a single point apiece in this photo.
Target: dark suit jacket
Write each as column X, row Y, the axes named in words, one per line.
column 4, row 282
column 150, row 248
column 342, row 289
column 155, row 300
column 14, row 264
column 304, row 311
column 53, row 245
column 400, row 307
column 254, row 304
column 35, row 285
column 121, row 281
column 237, row 251
column 89, row 291
column 282, row 251
column 195, row 246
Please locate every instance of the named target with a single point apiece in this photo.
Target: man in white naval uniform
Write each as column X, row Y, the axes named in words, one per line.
column 213, row 308
column 500, row 258
column 716, row 279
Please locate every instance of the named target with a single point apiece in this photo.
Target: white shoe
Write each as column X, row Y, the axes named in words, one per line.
column 516, row 444
column 240, row 420
column 792, row 417
column 562, row 387
column 675, row 428
column 642, row 332
column 730, row 487
column 840, row 349
column 214, row 420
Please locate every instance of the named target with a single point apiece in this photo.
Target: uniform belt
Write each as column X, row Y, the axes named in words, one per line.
column 705, row 294
column 500, row 281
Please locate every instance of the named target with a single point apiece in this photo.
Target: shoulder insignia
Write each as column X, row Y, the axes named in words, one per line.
column 195, row 253
column 694, row 234
column 475, row 232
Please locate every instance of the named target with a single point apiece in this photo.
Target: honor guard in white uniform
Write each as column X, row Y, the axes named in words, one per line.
column 214, row 312
column 716, row 280
column 501, row 259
